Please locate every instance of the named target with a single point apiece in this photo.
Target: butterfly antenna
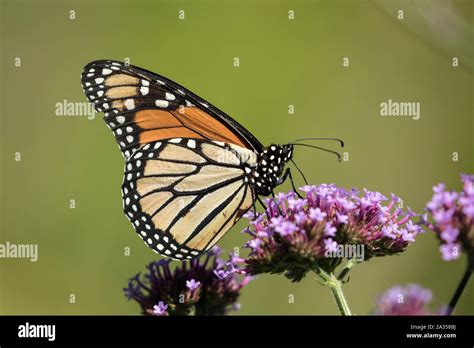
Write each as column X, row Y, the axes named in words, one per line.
column 300, row 171
column 333, row 139
column 338, row 155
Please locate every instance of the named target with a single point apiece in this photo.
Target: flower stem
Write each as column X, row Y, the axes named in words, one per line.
column 335, row 285
column 459, row 290
column 347, row 268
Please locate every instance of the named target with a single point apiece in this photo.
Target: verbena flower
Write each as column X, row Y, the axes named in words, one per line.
column 452, row 218
column 194, row 287
column 294, row 235
column 160, row 309
column 409, row 300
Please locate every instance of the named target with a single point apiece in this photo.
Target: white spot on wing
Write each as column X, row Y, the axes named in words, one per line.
column 144, row 90
column 130, row 104
column 162, row 103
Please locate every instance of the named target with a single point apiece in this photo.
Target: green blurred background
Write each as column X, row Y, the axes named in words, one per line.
column 282, row 62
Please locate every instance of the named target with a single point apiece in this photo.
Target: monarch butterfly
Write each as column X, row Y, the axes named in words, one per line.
column 191, row 171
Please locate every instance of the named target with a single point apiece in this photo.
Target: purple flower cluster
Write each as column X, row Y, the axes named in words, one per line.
column 194, row 287
column 409, row 300
column 452, row 216
column 294, row 235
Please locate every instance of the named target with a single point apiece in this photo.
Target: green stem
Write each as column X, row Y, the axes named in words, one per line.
column 347, row 268
column 335, row 285
column 459, row 290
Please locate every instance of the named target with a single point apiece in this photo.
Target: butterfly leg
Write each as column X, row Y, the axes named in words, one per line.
column 264, row 208
column 286, row 175
column 254, row 198
column 276, row 202
column 261, row 203
column 254, row 206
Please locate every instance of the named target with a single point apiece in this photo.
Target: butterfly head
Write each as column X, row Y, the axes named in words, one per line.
column 269, row 169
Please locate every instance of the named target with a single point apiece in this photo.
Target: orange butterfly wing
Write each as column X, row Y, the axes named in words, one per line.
column 141, row 107
column 185, row 184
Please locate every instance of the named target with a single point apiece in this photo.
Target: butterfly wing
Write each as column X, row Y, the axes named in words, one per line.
column 182, row 195
column 184, row 183
column 141, row 107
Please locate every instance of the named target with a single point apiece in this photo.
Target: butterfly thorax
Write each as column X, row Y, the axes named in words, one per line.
column 267, row 172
